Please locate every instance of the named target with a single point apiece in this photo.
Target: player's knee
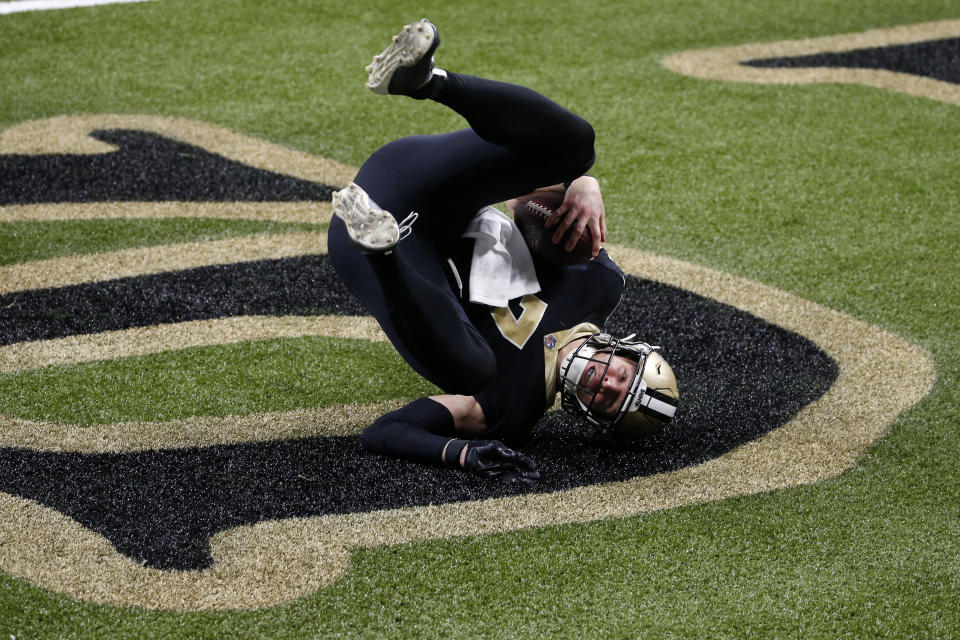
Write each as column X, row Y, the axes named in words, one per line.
column 577, row 152
column 583, row 136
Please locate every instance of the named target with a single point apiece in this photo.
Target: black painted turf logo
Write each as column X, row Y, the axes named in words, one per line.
column 921, row 60
column 162, row 506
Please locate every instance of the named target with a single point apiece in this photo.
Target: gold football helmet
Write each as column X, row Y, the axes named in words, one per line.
column 650, row 401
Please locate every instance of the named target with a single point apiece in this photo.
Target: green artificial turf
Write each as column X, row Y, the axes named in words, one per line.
column 844, row 195
column 249, row 377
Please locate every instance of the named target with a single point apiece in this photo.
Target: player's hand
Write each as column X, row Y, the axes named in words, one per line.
column 582, row 208
column 493, row 459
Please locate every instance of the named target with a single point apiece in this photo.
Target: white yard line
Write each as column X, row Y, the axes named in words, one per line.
column 42, row 5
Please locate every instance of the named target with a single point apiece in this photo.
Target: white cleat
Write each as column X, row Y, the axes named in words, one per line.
column 369, row 227
column 407, row 64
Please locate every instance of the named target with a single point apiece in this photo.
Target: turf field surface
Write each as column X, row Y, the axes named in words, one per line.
column 843, row 195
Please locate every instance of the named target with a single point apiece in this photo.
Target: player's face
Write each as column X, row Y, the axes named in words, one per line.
column 609, row 383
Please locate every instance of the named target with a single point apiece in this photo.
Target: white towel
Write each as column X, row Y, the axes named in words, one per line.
column 502, row 268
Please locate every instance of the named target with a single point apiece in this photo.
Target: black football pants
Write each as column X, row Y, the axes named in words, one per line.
column 518, row 141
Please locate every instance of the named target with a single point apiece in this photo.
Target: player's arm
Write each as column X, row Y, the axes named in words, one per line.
column 427, row 431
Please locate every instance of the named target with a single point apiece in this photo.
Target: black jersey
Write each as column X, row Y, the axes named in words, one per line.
column 569, row 296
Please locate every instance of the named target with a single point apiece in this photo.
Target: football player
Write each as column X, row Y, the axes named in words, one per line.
column 397, row 239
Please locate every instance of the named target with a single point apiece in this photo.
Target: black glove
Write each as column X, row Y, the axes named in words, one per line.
column 493, row 459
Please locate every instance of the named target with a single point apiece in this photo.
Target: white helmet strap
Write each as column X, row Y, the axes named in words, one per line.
column 646, row 400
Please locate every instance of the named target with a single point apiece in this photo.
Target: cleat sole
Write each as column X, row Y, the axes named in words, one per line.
column 368, row 226
column 407, row 48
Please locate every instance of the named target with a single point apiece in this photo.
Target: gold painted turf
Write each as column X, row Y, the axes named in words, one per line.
column 126, row 263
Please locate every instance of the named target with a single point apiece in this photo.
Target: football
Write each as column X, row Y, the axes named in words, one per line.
column 531, row 215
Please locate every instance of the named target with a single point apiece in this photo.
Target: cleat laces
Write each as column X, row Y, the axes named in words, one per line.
column 406, row 225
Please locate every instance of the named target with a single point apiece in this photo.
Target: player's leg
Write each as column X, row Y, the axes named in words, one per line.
column 532, row 140
column 505, row 114
column 409, row 290
column 403, row 282
column 519, row 118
